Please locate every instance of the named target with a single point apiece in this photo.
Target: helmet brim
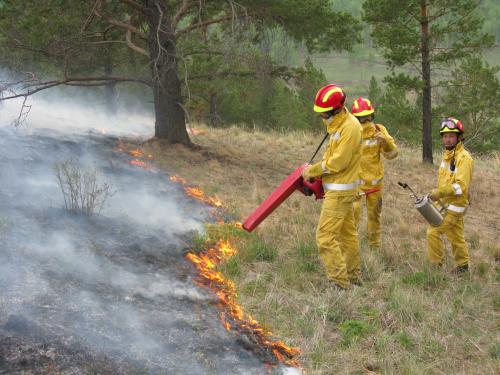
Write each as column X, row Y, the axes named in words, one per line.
column 366, row 112
column 322, row 109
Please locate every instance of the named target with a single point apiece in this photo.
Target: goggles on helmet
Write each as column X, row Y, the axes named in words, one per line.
column 452, row 126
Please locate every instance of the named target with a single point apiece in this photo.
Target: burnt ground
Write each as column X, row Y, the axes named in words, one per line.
column 109, row 293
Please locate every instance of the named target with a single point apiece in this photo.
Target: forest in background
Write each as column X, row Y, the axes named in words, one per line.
column 261, row 74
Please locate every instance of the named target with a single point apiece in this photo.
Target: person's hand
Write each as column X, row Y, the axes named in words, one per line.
column 306, row 173
column 434, row 195
column 312, row 171
column 380, row 138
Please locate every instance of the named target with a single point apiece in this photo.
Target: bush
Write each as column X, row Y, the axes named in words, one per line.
column 82, row 191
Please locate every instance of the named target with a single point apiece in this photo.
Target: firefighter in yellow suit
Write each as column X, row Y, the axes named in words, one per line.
column 376, row 142
column 336, row 234
column 455, row 174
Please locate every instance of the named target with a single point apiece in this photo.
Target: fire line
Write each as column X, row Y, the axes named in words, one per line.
column 206, row 262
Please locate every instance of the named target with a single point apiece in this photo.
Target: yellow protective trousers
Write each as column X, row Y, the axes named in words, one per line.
column 374, row 211
column 337, row 239
column 453, row 227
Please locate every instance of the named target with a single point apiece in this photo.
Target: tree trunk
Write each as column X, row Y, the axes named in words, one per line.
column 426, row 95
column 170, row 117
column 214, row 116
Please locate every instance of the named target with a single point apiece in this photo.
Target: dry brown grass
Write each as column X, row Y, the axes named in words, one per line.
column 406, row 319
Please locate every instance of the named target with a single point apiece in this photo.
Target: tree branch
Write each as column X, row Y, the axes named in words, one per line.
column 72, row 81
column 185, row 7
column 134, row 4
column 202, row 24
column 135, row 47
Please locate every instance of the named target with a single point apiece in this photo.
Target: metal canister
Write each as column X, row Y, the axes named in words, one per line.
column 429, row 211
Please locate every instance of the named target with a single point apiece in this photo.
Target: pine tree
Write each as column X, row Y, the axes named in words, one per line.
column 428, row 38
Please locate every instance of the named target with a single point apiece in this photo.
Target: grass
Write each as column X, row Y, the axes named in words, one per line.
column 406, row 318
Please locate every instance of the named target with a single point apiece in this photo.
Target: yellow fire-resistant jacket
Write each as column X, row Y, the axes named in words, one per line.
column 340, row 166
column 372, row 165
column 453, row 185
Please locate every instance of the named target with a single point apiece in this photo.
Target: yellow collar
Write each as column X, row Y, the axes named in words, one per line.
column 369, row 129
column 449, row 154
column 338, row 119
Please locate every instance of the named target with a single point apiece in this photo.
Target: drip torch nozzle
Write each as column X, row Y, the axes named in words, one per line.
column 404, row 185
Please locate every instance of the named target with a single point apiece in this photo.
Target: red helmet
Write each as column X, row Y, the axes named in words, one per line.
column 328, row 98
column 362, row 107
column 451, row 125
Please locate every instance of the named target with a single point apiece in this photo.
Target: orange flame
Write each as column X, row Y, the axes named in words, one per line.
column 139, row 163
column 206, row 263
column 209, row 277
column 136, row 153
column 196, row 193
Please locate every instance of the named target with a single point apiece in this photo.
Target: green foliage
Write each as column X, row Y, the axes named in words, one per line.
column 397, row 107
column 495, row 350
column 308, row 258
column 257, row 250
column 428, row 279
column 354, row 330
column 231, row 267
column 473, row 97
column 405, row 340
column 423, row 34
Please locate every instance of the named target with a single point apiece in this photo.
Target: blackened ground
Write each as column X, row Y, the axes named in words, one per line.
column 110, row 293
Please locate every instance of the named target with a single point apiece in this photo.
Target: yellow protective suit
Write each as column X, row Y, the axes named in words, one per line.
column 336, row 235
column 372, row 174
column 453, row 187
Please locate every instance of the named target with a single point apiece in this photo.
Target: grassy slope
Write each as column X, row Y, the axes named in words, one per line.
column 406, row 319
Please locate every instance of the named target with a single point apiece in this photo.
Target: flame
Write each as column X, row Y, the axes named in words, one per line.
column 136, row 153
column 140, row 159
column 139, row 163
column 196, row 193
column 232, row 314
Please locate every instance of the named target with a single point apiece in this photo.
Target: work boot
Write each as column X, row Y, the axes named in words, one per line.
column 337, row 287
column 356, row 282
column 459, row 270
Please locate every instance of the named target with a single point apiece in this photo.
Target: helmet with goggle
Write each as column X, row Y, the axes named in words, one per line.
column 451, row 125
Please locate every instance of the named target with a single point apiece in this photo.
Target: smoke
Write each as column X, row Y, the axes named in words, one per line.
column 67, row 115
column 114, row 289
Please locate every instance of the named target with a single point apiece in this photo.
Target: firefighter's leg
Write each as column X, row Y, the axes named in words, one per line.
column 358, row 203
column 328, row 235
column 455, row 235
column 374, row 206
column 350, row 247
column 435, row 244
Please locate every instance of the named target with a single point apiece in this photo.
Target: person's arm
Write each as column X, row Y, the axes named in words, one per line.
column 389, row 148
column 463, row 175
column 340, row 159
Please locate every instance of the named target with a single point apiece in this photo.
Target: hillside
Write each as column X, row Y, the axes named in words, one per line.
column 406, row 318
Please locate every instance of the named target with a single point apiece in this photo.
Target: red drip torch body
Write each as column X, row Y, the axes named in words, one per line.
column 291, row 183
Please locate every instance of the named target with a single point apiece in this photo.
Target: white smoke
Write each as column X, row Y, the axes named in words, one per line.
column 117, row 281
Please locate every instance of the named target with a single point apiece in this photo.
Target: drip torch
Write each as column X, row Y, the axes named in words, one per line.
column 293, row 182
column 432, row 214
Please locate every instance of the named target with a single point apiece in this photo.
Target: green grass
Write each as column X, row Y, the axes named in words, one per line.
column 354, row 330
column 258, row 250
